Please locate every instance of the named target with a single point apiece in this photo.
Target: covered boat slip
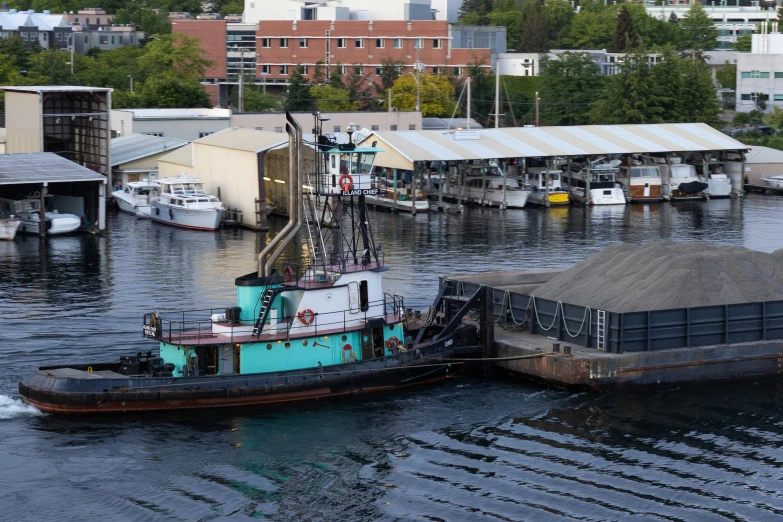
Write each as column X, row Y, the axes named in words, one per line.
column 523, row 146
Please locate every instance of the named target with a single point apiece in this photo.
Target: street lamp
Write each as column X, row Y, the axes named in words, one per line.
column 131, row 82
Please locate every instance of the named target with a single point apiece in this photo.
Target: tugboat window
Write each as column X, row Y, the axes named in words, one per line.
column 364, row 301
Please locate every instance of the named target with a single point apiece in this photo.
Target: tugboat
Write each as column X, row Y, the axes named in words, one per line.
column 301, row 330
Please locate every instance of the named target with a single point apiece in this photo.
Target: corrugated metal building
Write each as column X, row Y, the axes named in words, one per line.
column 135, row 157
column 762, row 162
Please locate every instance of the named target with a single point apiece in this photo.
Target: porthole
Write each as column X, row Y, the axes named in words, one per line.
column 304, row 343
column 345, row 338
column 287, row 346
column 268, row 346
column 391, row 327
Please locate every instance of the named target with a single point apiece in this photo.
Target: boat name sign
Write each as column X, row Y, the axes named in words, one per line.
column 153, row 329
column 359, row 192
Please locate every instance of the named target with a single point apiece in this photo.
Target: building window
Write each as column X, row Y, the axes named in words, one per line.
column 131, row 38
column 119, row 39
column 112, row 40
column 85, row 38
column 417, row 43
column 104, row 39
column 755, row 74
column 358, row 70
column 398, row 43
column 259, row 128
column 379, row 43
column 358, row 43
column 458, row 71
column 98, row 21
column 341, row 68
column 284, row 43
column 264, row 69
column 76, row 19
column 393, row 127
column 304, row 70
column 779, row 75
column 204, row 134
column 59, row 37
column 778, row 97
column 283, row 69
column 265, row 42
column 24, row 36
column 412, row 126
column 279, row 129
column 33, row 35
column 336, row 128
column 87, row 21
column 436, row 70
column 746, row 97
column 376, row 127
column 44, row 36
column 158, row 134
column 303, row 43
column 377, row 71
column 437, row 43
column 341, row 43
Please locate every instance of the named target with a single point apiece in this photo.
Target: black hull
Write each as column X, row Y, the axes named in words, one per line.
column 84, row 394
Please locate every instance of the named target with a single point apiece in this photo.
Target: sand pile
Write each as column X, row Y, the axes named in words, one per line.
column 663, row 274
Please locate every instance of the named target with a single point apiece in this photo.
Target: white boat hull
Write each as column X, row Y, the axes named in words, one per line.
column 774, row 182
column 131, row 208
column 602, row 196
column 8, row 228
column 197, row 219
column 490, row 197
column 420, row 205
column 58, row 224
column 719, row 188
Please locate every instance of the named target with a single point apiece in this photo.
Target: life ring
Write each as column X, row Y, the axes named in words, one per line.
column 346, row 182
column 288, row 274
column 89, row 369
column 392, row 342
column 306, row 316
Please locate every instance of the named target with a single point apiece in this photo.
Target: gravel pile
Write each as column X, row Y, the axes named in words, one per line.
column 664, row 274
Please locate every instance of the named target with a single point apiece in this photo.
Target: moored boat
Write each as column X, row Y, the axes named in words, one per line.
column 183, row 202
column 774, row 181
column 301, row 330
column 28, row 212
column 605, row 189
column 547, row 188
column 491, row 189
column 684, row 183
column 8, row 227
column 134, row 198
column 642, row 183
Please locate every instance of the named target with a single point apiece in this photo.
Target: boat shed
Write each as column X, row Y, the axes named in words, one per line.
column 413, row 149
column 74, row 189
column 243, row 167
column 135, row 157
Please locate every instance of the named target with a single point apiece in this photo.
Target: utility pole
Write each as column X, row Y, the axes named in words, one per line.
column 73, row 44
column 131, row 82
column 497, row 96
column 537, row 98
column 390, row 102
column 241, row 79
column 418, row 83
column 468, row 118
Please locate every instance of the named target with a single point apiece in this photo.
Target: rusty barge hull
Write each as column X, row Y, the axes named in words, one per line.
column 586, row 368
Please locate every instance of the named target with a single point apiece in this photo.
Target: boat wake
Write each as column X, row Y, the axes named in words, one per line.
column 11, row 408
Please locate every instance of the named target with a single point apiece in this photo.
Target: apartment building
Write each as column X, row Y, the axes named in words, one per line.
column 760, row 73
column 48, row 30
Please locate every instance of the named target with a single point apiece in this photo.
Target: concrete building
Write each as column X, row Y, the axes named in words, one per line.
column 105, row 38
column 270, row 49
column 731, row 21
column 50, row 31
column 135, row 157
column 258, row 170
column 338, row 121
column 760, row 73
column 181, row 124
column 446, row 10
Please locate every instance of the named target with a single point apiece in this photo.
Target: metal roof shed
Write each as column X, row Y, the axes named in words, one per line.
column 135, row 157
column 81, row 190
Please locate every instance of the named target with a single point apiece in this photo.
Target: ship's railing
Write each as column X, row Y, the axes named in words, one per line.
column 197, row 325
column 312, row 270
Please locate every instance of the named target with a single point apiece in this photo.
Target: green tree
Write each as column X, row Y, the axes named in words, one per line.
column 319, row 73
column 298, row 97
column 558, row 15
column 336, row 77
column 628, row 97
column 508, row 14
column 16, row 50
column 331, row 99
column 482, row 86
column 625, row 37
column 774, row 119
column 474, row 12
column 569, row 85
column 535, row 34
column 754, row 117
column 699, row 91
column 727, row 76
column 358, row 87
column 391, row 69
column 255, row 100
column 743, row 43
column 170, row 90
column 437, row 94
column 668, row 80
column 177, row 53
column 698, row 30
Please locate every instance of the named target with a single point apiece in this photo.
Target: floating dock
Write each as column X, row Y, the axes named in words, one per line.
column 576, row 347
column 763, row 189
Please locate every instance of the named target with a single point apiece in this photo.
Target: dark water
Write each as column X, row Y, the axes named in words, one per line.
column 470, row 449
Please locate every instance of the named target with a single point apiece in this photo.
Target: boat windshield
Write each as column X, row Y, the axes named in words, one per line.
column 645, row 172
column 683, row 171
column 186, row 189
column 361, row 162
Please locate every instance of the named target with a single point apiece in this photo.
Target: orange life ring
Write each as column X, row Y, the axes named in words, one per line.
column 392, row 342
column 306, row 316
column 288, row 274
column 346, row 182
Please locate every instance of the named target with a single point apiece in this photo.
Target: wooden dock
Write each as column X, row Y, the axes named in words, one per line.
column 763, row 189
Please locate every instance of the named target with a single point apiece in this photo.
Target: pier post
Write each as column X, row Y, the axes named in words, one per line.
column 549, row 164
column 505, row 182
column 42, row 213
column 416, row 170
column 487, row 327
column 568, row 168
column 484, row 182
column 588, row 177
column 461, row 171
column 394, row 188
column 441, row 181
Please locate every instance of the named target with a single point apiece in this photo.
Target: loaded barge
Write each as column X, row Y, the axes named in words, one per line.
column 576, row 346
column 301, row 330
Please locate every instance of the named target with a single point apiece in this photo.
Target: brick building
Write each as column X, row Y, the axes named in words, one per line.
column 270, row 49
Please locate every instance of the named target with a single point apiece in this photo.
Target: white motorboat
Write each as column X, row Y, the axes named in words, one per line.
column 547, row 188
column 397, row 198
column 684, row 183
column 134, row 198
column 489, row 190
column 605, row 189
column 28, row 211
column 182, row 202
column 774, row 181
column 8, row 227
column 642, row 182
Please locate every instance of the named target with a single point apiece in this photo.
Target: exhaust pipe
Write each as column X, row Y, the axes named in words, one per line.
column 284, row 237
